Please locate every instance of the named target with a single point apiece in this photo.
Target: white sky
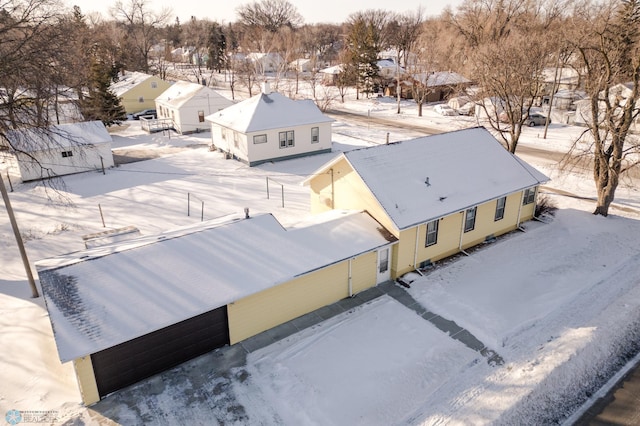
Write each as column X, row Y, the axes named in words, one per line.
column 313, row 11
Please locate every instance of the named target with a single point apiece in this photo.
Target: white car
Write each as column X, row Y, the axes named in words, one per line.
column 444, row 110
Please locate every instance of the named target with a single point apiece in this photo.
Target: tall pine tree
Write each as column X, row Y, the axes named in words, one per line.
column 101, row 103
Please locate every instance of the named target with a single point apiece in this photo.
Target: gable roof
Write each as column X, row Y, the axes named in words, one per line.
column 59, row 136
column 102, row 297
column 127, row 82
column 441, row 78
column 272, row 111
column 463, row 168
column 182, row 92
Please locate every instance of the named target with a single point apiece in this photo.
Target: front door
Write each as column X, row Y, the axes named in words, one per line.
column 384, row 272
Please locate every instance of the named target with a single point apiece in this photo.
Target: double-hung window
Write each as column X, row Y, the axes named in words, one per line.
column 500, row 205
column 470, row 219
column 529, row 196
column 315, row 134
column 432, row 233
column 286, row 139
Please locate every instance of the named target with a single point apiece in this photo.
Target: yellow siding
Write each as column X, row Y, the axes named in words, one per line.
column 528, row 210
column 130, row 99
column 364, row 272
column 86, row 380
column 349, row 192
column 277, row 305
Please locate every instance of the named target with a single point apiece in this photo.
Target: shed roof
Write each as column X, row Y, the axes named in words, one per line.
column 423, row 179
column 59, row 136
column 268, row 111
column 105, row 296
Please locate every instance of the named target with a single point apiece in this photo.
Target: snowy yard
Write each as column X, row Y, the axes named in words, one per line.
column 560, row 302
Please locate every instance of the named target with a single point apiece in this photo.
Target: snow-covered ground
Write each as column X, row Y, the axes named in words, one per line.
column 559, row 303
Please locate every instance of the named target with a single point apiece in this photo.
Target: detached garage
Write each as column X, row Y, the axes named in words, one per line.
column 127, row 311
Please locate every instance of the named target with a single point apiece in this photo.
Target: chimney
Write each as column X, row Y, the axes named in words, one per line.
column 266, row 88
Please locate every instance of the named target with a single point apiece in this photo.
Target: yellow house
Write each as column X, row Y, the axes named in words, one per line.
column 439, row 195
column 126, row 311
column 137, row 91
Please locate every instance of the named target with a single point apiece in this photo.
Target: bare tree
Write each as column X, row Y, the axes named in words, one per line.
column 142, row 26
column 609, row 51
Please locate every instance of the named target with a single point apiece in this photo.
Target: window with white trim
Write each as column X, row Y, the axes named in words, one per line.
column 286, row 139
column 500, row 205
column 315, row 134
column 66, row 154
column 470, row 219
column 432, row 233
column 154, row 84
column 201, row 116
column 141, row 99
column 259, row 139
column 529, row 196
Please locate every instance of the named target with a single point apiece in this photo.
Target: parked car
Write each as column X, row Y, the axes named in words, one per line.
column 444, row 109
column 536, row 120
column 145, row 113
column 467, row 109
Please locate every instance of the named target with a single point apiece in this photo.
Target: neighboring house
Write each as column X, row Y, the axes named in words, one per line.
column 301, row 65
column 270, row 127
column 137, row 91
column 441, row 85
column 439, row 195
column 62, row 150
column 330, row 74
column 126, row 311
column 266, row 62
column 187, row 104
column 388, row 70
column 563, row 78
column 618, row 93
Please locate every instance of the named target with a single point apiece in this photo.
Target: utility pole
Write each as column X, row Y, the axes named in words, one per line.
column 16, row 232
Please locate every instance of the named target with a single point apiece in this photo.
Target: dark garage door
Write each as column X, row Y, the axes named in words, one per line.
column 132, row 361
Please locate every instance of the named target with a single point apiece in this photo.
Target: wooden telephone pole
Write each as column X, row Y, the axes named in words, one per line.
column 16, row 232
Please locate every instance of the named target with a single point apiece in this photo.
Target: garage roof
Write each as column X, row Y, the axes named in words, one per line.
column 102, row 297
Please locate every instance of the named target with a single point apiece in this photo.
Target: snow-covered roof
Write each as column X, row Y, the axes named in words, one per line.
column 59, row 136
column 127, row 82
column 105, row 296
column 336, row 69
column 441, row 78
column 268, row 111
column 463, row 169
column 181, row 92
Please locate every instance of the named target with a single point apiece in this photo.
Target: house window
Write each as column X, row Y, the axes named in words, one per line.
column 66, row 154
column 201, row 116
column 500, row 204
column 154, row 84
column 259, row 139
column 315, row 134
column 286, row 139
column 236, row 139
column 470, row 219
column 141, row 99
column 432, row 233
column 529, row 196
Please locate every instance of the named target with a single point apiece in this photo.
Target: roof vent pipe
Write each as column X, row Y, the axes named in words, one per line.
column 426, row 181
column 246, row 213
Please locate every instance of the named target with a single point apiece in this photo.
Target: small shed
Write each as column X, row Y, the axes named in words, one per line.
column 187, row 104
column 186, row 292
column 60, row 150
column 137, row 91
column 270, row 127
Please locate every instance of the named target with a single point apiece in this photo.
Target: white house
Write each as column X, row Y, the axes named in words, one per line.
column 266, row 62
column 61, row 150
column 186, row 105
column 618, row 93
column 388, row 69
column 270, row 127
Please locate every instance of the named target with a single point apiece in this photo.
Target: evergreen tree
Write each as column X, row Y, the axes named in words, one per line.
column 101, row 103
column 362, row 53
column 217, row 48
